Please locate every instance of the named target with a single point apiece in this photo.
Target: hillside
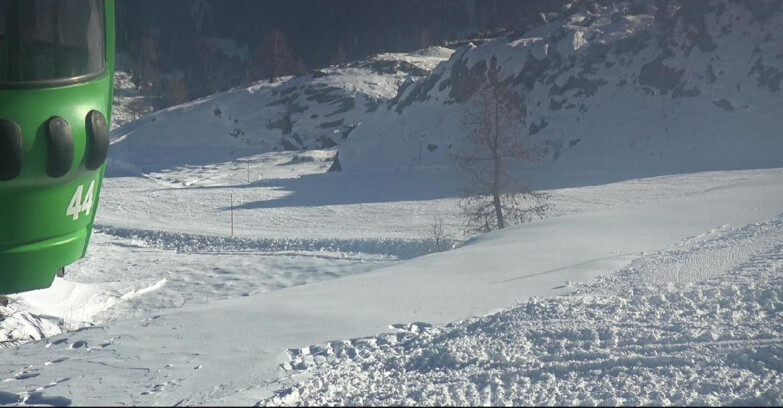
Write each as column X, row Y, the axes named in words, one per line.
column 617, row 87
column 314, row 111
column 622, row 87
column 213, row 47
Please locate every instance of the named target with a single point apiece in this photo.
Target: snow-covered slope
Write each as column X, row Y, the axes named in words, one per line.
column 662, row 325
column 628, row 89
column 637, row 337
column 313, row 111
column 637, row 87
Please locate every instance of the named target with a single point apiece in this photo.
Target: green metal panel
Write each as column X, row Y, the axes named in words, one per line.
column 40, row 229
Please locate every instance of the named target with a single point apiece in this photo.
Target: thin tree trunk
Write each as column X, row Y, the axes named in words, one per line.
column 496, row 200
column 274, row 56
column 496, row 170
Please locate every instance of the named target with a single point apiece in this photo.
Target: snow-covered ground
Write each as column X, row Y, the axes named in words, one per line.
column 228, row 266
column 690, row 283
column 697, row 324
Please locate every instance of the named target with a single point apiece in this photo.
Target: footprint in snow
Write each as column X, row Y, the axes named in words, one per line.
column 79, row 344
column 56, row 342
column 159, row 388
column 47, row 386
column 58, row 360
column 25, row 376
column 56, row 382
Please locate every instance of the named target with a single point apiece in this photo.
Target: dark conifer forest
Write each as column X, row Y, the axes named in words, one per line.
column 184, row 49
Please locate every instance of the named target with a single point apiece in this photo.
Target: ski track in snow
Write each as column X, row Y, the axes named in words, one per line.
column 713, row 335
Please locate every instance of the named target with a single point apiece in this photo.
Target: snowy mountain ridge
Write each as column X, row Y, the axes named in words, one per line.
column 317, row 110
column 638, row 87
column 619, row 86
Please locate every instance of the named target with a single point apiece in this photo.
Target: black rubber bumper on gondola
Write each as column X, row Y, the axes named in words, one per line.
column 10, row 149
column 60, row 144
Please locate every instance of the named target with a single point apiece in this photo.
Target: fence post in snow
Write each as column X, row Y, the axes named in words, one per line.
column 231, row 197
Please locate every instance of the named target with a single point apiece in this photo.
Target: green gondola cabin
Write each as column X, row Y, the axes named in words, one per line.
column 56, row 86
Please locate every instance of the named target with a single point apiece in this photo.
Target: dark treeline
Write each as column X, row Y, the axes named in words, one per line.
column 176, row 48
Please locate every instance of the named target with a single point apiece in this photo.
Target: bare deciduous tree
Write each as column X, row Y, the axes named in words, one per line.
column 495, row 116
column 216, row 71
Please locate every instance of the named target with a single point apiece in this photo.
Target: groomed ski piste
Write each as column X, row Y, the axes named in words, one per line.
column 655, row 280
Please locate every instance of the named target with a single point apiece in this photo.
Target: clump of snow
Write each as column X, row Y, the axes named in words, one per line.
column 19, row 326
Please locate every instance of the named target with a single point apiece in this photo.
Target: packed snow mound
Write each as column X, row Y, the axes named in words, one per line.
column 659, row 88
column 314, row 111
column 619, row 340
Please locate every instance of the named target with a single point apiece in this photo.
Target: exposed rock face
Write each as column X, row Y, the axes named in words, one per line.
column 342, row 95
column 624, row 73
column 663, row 47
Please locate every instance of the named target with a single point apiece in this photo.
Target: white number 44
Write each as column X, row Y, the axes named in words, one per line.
column 78, row 205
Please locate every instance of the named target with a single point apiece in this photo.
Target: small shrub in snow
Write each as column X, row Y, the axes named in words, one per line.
column 435, row 237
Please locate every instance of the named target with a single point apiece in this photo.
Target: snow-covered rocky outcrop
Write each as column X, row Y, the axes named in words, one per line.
column 627, row 86
column 637, row 87
column 314, row 111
